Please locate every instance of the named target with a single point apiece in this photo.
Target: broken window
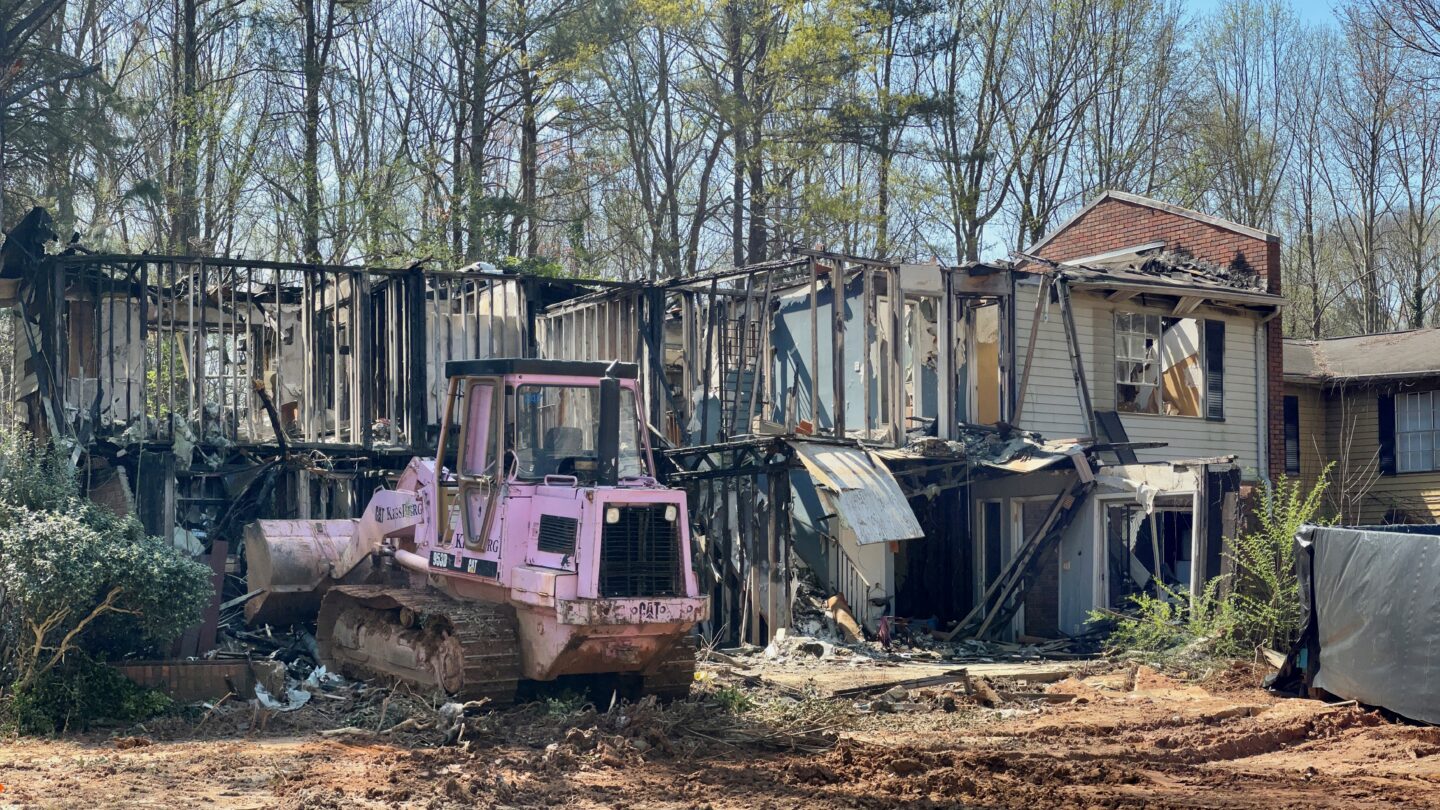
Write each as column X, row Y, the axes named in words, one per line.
column 1135, row 540
column 1158, row 365
column 1416, row 424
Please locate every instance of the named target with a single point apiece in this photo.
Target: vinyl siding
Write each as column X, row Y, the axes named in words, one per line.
column 1315, row 445
column 1052, row 406
column 1352, row 423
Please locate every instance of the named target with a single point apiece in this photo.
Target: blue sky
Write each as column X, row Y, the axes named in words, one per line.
column 1314, row 11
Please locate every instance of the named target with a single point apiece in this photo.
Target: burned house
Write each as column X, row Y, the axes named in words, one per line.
column 1065, row 430
column 999, row 446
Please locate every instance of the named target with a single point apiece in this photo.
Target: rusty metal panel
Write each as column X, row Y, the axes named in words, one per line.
column 189, row 681
column 632, row 611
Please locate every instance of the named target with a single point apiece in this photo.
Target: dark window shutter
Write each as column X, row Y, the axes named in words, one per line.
column 1387, row 434
column 1292, row 435
column 1215, row 370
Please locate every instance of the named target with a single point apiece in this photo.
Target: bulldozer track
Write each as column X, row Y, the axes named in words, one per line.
column 672, row 678
column 486, row 634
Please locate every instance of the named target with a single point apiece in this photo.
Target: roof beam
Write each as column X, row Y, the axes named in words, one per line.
column 1187, row 304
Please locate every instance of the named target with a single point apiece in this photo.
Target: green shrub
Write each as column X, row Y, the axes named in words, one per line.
column 732, row 699
column 1156, row 627
column 34, row 474
column 75, row 578
column 79, row 694
column 1266, row 592
column 1260, row 603
column 566, row 703
column 68, row 575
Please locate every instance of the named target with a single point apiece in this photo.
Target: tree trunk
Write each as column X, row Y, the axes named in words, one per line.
column 187, row 213
column 529, row 171
column 671, row 256
column 4, row 176
column 755, row 159
column 737, row 85
column 310, row 161
column 479, row 78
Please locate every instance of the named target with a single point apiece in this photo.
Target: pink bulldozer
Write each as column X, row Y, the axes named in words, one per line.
column 539, row 546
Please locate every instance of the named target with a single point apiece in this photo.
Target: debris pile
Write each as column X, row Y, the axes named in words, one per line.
column 627, row 733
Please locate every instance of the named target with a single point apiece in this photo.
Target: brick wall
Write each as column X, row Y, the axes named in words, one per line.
column 1115, row 224
column 1042, row 601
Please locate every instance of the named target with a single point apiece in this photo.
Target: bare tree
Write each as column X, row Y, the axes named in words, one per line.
column 1363, row 113
column 1243, row 140
column 1417, row 215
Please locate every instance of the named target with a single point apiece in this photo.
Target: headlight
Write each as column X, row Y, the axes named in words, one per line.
column 671, row 513
column 612, row 515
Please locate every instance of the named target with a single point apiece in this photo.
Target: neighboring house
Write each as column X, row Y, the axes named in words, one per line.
column 1369, row 404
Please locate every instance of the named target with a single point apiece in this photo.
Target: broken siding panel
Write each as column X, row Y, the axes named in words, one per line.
column 866, row 497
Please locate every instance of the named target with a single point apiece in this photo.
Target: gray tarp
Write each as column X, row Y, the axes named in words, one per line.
column 1373, row 603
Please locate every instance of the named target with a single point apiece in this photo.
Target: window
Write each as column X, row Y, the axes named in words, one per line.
column 556, row 429
column 1292, row 435
column 479, row 455
column 1134, row 538
column 1158, row 366
column 1416, row 424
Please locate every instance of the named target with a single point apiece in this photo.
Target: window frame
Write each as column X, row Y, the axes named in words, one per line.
column 630, row 414
column 1408, row 428
column 1122, row 357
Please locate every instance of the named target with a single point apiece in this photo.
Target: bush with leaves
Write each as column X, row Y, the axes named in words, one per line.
column 34, row 474
column 1265, row 593
column 69, row 575
column 1174, row 621
column 77, row 580
column 79, row 694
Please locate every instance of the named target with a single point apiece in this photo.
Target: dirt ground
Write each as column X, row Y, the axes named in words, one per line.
column 1117, row 738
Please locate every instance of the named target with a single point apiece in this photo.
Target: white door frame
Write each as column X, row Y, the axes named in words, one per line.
column 1100, row 553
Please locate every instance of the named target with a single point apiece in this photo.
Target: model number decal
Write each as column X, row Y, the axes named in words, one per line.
column 661, row 611
column 465, row 565
column 385, row 514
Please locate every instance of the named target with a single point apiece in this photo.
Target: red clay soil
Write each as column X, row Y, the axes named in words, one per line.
column 1120, row 740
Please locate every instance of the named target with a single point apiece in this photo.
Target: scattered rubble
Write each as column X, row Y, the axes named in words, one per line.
column 1104, row 735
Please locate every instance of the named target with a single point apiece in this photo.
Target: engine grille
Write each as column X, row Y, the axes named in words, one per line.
column 640, row 554
column 557, row 534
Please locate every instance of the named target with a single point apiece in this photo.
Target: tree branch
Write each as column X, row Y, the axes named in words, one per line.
column 77, row 73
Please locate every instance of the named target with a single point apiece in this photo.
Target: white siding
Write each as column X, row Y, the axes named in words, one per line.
column 1052, row 407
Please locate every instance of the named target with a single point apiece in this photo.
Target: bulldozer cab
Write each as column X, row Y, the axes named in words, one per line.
column 528, row 421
